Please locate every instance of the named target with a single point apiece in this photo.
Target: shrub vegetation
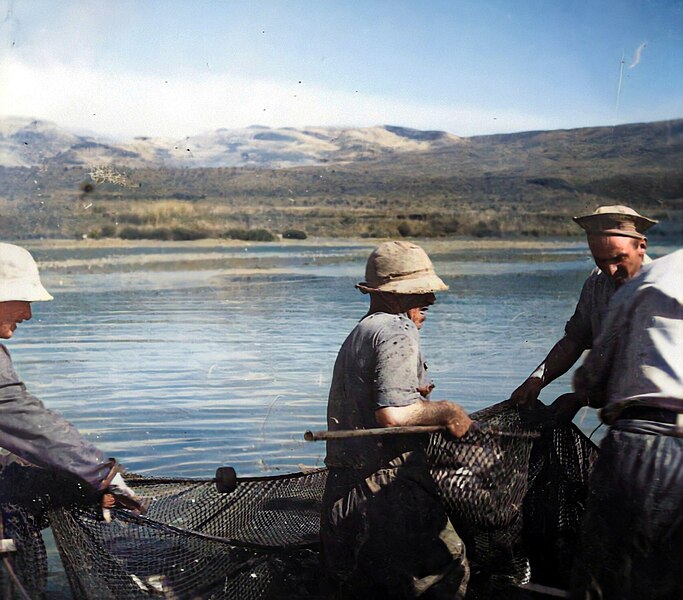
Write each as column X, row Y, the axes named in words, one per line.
column 294, row 234
column 250, row 235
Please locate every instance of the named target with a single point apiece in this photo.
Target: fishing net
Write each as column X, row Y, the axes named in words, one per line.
column 194, row 542
column 29, row 560
column 514, row 492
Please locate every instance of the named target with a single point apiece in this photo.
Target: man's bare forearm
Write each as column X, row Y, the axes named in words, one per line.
column 419, row 413
column 447, row 414
column 560, row 359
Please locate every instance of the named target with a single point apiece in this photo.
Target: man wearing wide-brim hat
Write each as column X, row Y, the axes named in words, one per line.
column 384, row 532
column 616, row 238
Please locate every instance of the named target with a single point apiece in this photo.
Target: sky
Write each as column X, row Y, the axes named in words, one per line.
column 175, row 69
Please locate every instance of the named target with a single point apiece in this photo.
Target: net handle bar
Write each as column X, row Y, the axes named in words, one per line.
column 545, row 589
column 343, row 434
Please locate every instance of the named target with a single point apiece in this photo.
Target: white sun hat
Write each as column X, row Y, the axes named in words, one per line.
column 19, row 278
column 400, row 267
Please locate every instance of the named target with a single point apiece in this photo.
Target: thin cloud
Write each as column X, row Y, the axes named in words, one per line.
column 637, row 55
column 177, row 106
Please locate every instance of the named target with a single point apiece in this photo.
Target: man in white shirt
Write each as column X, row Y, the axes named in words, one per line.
column 632, row 543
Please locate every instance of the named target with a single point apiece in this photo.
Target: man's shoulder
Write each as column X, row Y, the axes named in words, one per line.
column 4, row 353
column 381, row 321
column 379, row 327
column 664, row 274
column 669, row 266
column 7, row 373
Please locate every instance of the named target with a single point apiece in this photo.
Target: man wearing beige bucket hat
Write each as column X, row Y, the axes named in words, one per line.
column 27, row 429
column 616, row 238
column 384, row 532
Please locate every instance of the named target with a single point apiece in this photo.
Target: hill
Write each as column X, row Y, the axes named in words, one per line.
column 381, row 181
column 27, row 143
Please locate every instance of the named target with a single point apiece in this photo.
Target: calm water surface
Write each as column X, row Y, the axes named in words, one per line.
column 177, row 360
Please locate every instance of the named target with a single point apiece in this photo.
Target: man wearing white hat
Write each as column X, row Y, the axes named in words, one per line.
column 616, row 238
column 27, row 428
column 384, row 532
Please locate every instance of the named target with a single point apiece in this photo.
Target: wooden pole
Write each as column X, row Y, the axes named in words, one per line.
column 345, row 434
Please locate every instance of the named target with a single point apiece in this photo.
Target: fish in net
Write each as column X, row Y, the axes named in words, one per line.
column 514, row 491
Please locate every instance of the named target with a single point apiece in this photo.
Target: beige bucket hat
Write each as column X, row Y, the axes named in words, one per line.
column 400, row 268
column 19, row 278
column 615, row 220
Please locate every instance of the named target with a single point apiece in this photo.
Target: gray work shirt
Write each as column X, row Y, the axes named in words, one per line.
column 638, row 357
column 586, row 322
column 378, row 366
column 40, row 436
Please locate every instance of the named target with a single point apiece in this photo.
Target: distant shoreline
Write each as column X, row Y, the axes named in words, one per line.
column 428, row 243
column 125, row 256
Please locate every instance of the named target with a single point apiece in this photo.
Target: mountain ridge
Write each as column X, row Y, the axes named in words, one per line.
column 375, row 182
column 30, row 142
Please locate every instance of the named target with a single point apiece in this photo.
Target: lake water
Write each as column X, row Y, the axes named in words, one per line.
column 181, row 358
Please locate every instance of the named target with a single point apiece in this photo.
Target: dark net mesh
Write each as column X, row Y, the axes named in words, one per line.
column 559, row 467
column 256, row 542
column 29, row 560
column 483, row 481
column 24, row 502
column 514, row 492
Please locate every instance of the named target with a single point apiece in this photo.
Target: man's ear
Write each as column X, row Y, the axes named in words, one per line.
column 643, row 244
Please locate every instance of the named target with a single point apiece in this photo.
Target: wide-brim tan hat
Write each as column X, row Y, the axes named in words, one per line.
column 19, row 278
column 615, row 220
column 400, row 267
